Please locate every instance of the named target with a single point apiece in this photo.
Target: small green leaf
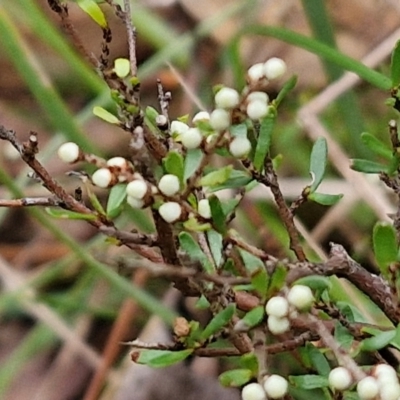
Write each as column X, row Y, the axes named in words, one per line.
column 264, row 140
column 385, row 245
column 192, row 162
column 66, row 214
column 395, row 65
column 202, row 303
column 162, row 358
column 235, row 377
column 239, row 130
column 260, row 280
column 252, row 263
column 254, row 317
column 218, row 321
column 214, row 240
column 193, row 225
column 318, row 360
column 375, row 145
column 288, row 86
column 192, row 248
column 309, row 381
column 116, row 200
column 379, row 341
column 91, row 8
column 95, row 201
column 368, row 167
column 174, row 164
column 151, row 114
column 325, row 199
column 318, row 159
column 122, row 67
column 277, row 280
column 105, row 115
column 217, row 214
column 216, row 177
column 237, row 179
column 315, row 282
column 343, row 336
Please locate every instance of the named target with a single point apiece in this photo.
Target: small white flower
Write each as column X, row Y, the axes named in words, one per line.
column 367, row 388
column 102, row 178
column 169, row 184
column 135, row 203
column 274, row 68
column 275, row 386
column 69, row 152
column 192, row 138
column 301, row 297
column 259, row 96
column 220, row 119
column 340, row 378
column 204, row 209
column 257, row 109
column 137, row 189
column 253, row 391
column 227, row 98
column 277, row 326
column 178, row 128
column 170, row 211
column 201, row 116
column 119, row 162
column 240, row 147
column 277, row 306
column 256, row 72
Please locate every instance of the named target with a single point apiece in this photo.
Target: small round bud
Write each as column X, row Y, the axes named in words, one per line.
column 257, row 109
column 277, row 326
column 340, row 379
column 227, row 98
column 253, row 391
column 385, row 370
column 119, row 162
column 274, row 68
column 258, row 96
column 301, row 297
column 178, row 128
column 170, row 211
column 69, row 152
column 137, row 189
column 169, row 185
column 102, row 178
column 134, row 203
column 275, row 386
column 390, row 391
column 201, row 116
column 367, row 388
column 204, row 209
column 277, row 306
column 162, row 121
column 240, row 147
column 220, row 119
column 192, row 138
column 256, row 72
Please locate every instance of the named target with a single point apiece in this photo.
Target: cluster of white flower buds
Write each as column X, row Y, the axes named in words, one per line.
column 280, row 308
column 272, row 387
column 383, row 383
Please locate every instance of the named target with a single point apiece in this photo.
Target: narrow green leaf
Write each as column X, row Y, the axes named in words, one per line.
column 151, row 115
column 315, row 282
column 277, row 280
column 116, row 200
column 254, row 317
column 202, row 303
column 214, row 240
column 395, row 65
column 94, row 11
column 193, row 225
column 122, row 67
column 192, row 248
column 288, row 86
column 192, row 162
column 318, row 360
column 379, row 341
column 385, row 245
column 325, row 199
column 217, row 214
column 237, row 179
column 174, row 164
column 162, row 358
column 66, row 214
column 318, row 160
column 217, row 177
column 260, row 280
column 105, row 115
column 377, row 146
column 343, row 336
column 368, row 167
column 235, row 377
column 218, row 321
column 309, row 381
column 264, row 140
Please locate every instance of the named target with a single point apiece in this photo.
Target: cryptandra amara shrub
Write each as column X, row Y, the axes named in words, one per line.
column 261, row 305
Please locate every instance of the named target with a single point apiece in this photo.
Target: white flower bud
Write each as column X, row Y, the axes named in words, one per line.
column 204, row 209
column 227, row 98
column 220, row 119
column 301, row 297
column 277, row 326
column 256, row 72
column 367, row 388
column 340, row 379
column 259, row 96
column 275, row 386
column 162, row 121
column 137, row 189
column 119, row 162
column 253, row 391
column 135, row 203
column 385, row 370
column 201, row 116
column 69, row 152
column 170, row 211
column 274, row 68
column 240, row 147
column 192, row 138
column 390, row 391
column 257, row 109
column 169, row 184
column 277, row 306
column 102, row 178
column 178, row 127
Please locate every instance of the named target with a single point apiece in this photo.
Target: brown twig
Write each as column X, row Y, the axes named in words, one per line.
column 131, row 31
